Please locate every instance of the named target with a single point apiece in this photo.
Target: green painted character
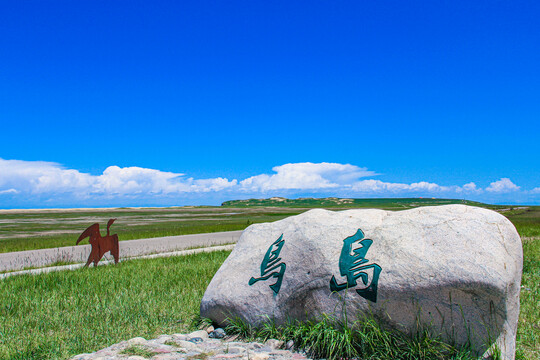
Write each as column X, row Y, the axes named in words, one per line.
column 351, row 266
column 271, row 266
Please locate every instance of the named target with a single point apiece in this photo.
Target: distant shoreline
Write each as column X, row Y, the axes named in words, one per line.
column 279, row 202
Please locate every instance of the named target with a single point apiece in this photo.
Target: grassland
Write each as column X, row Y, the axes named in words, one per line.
column 61, row 314
column 57, row 315
column 528, row 335
column 28, row 230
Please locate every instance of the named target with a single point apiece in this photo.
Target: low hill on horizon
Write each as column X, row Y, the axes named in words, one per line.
column 330, row 202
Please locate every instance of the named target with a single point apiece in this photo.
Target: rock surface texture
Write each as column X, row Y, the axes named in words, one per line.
column 194, row 346
column 455, row 269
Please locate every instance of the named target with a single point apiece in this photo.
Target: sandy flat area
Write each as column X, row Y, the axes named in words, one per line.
column 25, row 211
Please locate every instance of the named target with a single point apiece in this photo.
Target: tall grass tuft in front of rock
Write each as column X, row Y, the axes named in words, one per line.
column 330, row 338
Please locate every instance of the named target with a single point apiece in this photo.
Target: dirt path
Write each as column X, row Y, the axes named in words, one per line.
column 48, row 269
column 129, row 248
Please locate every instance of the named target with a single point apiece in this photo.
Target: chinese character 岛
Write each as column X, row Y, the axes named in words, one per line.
column 351, row 266
column 271, row 266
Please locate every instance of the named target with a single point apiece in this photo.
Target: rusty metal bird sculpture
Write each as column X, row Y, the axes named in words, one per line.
column 100, row 244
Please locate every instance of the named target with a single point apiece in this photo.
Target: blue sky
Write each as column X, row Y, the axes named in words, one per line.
column 129, row 103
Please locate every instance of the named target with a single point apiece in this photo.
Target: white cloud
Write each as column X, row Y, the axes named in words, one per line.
column 49, row 182
column 471, row 187
column 306, row 176
column 136, row 180
column 377, row 186
column 503, row 185
column 38, row 177
column 8, row 191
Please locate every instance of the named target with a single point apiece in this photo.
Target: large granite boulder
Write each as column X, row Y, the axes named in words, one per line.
column 454, row 268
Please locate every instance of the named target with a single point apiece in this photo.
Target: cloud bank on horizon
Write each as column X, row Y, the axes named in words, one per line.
column 46, row 184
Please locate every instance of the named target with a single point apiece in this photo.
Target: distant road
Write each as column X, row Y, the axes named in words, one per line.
column 128, row 248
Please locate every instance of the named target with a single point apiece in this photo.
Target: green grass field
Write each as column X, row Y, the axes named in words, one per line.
column 47, row 229
column 61, row 314
column 28, row 230
column 58, row 315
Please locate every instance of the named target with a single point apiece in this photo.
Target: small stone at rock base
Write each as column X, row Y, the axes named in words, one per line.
column 236, row 350
column 162, row 339
column 256, row 345
column 209, row 329
column 219, row 333
column 274, row 344
column 264, row 349
column 196, row 340
column 187, row 345
column 166, row 357
column 136, row 340
column 258, row 356
column 199, row 333
column 289, row 345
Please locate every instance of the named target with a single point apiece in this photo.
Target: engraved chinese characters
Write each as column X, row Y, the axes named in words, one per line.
column 352, row 265
column 271, row 266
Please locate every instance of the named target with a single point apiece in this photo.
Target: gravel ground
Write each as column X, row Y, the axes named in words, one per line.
column 206, row 344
